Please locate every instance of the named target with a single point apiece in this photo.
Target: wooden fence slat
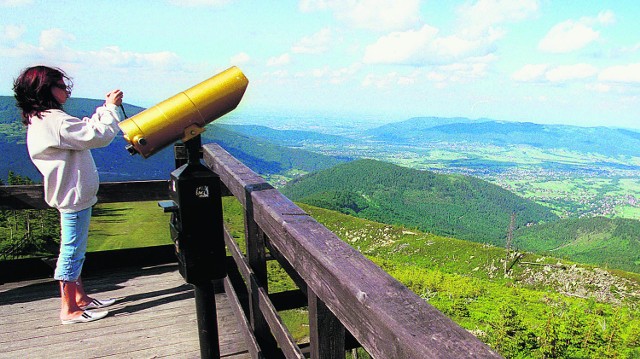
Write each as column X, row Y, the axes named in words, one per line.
column 326, row 333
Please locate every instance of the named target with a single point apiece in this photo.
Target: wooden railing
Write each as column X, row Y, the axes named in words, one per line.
column 351, row 301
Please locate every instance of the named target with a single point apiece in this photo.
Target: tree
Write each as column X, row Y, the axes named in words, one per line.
column 509, row 335
column 28, row 232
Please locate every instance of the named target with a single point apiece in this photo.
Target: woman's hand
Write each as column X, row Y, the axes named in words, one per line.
column 114, row 97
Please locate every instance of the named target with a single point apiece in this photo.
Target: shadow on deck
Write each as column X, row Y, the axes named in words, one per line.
column 153, row 318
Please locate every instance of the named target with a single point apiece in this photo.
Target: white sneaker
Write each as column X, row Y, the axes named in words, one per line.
column 97, row 304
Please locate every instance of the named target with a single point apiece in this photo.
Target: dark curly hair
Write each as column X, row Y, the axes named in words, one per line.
column 32, row 90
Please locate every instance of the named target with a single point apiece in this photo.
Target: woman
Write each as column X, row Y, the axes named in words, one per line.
column 59, row 146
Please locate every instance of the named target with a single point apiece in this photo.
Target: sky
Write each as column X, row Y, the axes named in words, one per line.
column 542, row 61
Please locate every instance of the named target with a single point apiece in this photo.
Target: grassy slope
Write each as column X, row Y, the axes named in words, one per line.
column 613, row 243
column 128, row 225
column 465, row 280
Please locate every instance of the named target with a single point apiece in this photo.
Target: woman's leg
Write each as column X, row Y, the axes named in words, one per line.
column 69, row 308
column 73, row 246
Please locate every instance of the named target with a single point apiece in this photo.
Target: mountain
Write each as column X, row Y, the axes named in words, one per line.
column 467, row 208
column 453, row 205
column 8, row 111
column 116, row 164
column 290, row 138
column 77, row 106
column 263, row 156
column 425, row 130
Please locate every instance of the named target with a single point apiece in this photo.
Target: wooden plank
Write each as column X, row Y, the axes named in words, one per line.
column 238, row 178
column 153, row 318
column 32, row 196
column 245, row 326
column 133, row 191
column 286, row 342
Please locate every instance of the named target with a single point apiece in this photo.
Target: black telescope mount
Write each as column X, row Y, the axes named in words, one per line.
column 197, row 232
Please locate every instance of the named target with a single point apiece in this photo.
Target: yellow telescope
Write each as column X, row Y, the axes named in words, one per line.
column 184, row 115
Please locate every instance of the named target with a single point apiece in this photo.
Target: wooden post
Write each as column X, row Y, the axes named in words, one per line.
column 255, row 248
column 326, row 333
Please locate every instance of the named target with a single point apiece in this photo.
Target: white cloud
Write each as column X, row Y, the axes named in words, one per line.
column 382, row 81
column 424, row 47
column 606, row 17
column 545, row 73
column 53, row 47
column 240, row 58
column 571, row 35
column 113, row 56
column 622, row 73
column 344, row 74
column 531, row 72
column 598, row 87
column 400, row 47
column 54, row 38
column 567, row 36
column 476, row 36
column 15, row 3
column 479, row 17
column 12, row 32
column 193, row 3
column 314, row 44
column 283, row 59
column 571, row 72
column 378, row 15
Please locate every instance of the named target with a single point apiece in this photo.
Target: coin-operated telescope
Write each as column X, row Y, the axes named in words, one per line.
column 184, row 115
column 196, row 203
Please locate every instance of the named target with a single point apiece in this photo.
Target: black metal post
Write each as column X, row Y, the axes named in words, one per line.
column 197, row 231
column 207, row 320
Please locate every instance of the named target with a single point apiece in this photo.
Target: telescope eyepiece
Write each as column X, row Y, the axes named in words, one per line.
column 132, row 150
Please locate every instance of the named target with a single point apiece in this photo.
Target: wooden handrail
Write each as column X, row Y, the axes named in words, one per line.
column 32, row 196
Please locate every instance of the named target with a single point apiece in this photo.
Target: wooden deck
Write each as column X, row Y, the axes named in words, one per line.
column 154, row 317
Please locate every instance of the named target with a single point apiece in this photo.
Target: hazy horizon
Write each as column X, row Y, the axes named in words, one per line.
column 547, row 62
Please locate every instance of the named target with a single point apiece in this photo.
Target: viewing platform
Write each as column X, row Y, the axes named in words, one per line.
column 349, row 301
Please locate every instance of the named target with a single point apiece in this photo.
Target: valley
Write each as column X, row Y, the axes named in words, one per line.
column 572, row 183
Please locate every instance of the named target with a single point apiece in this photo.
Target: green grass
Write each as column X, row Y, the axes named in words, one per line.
column 466, row 282
column 128, row 225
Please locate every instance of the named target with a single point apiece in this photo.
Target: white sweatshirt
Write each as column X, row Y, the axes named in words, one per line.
column 59, row 146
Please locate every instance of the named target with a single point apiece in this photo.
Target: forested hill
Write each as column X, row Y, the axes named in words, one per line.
column 452, row 205
column 608, row 242
column 420, row 130
column 264, row 157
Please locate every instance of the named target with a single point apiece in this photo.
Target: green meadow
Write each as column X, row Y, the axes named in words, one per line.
column 128, row 225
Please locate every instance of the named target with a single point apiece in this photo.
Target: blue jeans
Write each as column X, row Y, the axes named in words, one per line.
column 74, row 232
